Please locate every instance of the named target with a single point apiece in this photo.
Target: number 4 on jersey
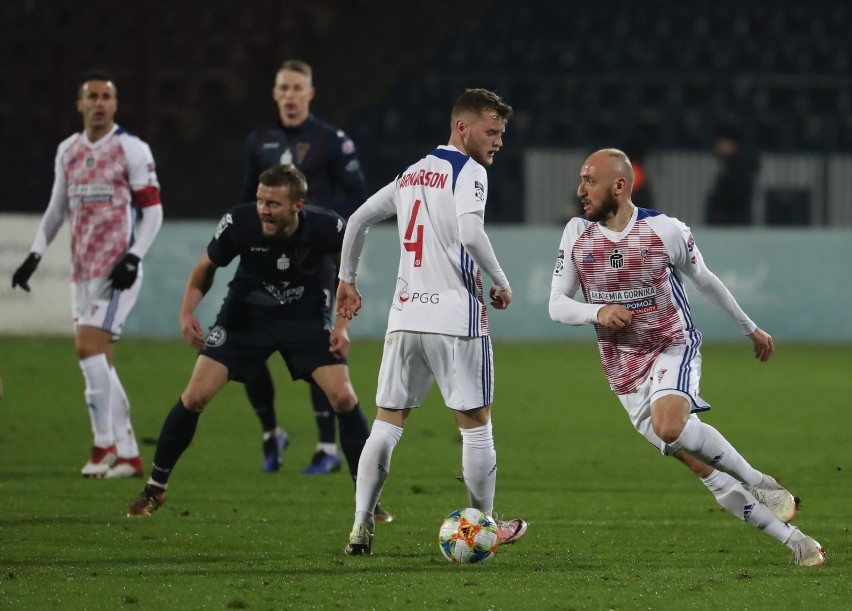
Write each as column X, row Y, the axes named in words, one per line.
column 416, row 245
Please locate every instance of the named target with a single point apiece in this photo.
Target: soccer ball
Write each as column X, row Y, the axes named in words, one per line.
column 467, row 536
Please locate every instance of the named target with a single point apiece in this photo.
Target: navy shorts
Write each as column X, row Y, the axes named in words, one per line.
column 245, row 346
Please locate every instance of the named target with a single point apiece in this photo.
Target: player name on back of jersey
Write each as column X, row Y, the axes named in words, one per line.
column 435, row 180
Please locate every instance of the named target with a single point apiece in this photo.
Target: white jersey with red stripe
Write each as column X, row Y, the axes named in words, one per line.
column 99, row 186
column 640, row 268
column 439, row 285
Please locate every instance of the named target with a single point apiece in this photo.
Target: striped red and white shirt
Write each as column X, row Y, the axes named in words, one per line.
column 640, row 268
column 99, row 186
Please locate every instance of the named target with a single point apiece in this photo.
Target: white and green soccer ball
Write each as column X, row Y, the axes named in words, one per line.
column 468, row 536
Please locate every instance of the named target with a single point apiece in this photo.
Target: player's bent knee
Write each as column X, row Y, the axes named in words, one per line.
column 667, row 428
column 343, row 401
column 194, row 401
column 669, row 434
column 87, row 349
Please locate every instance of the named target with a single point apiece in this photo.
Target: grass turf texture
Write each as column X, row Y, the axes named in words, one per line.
column 613, row 525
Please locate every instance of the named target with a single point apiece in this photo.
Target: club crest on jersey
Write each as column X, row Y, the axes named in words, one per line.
column 616, row 259
column 478, row 191
column 216, row 337
column 283, row 262
column 90, row 162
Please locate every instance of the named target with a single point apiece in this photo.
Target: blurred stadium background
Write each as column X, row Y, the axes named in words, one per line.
column 194, row 77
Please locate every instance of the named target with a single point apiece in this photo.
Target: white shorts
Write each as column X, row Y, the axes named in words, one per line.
column 677, row 371
column 463, row 367
column 95, row 303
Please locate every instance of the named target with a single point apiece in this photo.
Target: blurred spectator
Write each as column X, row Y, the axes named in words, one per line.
column 636, row 147
column 730, row 198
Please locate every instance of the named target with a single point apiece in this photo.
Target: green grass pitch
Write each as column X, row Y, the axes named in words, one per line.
column 613, row 525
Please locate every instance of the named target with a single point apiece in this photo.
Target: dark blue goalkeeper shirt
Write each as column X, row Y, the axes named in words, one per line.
column 324, row 154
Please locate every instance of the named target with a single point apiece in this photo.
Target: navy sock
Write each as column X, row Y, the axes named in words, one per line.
column 324, row 414
column 261, row 394
column 175, row 437
column 354, row 431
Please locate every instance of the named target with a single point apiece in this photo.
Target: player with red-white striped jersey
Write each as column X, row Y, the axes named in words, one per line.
column 630, row 263
column 437, row 326
column 105, row 183
column 641, row 268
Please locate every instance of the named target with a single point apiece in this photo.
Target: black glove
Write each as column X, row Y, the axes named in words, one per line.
column 21, row 277
column 123, row 275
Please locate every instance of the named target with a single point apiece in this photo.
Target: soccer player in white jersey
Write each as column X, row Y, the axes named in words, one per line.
column 630, row 263
column 438, row 326
column 105, row 183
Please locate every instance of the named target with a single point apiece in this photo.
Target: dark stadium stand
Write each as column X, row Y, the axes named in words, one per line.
column 193, row 79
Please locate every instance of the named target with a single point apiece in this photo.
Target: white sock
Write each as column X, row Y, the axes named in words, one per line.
column 734, row 497
column 328, row 448
column 795, row 535
column 151, row 482
column 479, row 466
column 267, row 435
column 125, row 439
column 373, row 469
column 708, row 444
column 98, row 389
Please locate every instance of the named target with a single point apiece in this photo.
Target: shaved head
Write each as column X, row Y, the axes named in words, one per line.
column 606, row 182
column 616, row 164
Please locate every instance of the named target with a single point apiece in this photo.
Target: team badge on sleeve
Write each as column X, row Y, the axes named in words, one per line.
column 560, row 262
column 479, row 191
column 223, row 225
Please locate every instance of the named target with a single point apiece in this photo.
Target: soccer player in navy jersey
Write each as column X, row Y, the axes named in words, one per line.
column 328, row 159
column 630, row 263
column 275, row 303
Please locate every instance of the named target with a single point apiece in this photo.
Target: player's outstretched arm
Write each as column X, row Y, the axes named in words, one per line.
column 763, row 344
column 348, row 300
column 200, row 281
